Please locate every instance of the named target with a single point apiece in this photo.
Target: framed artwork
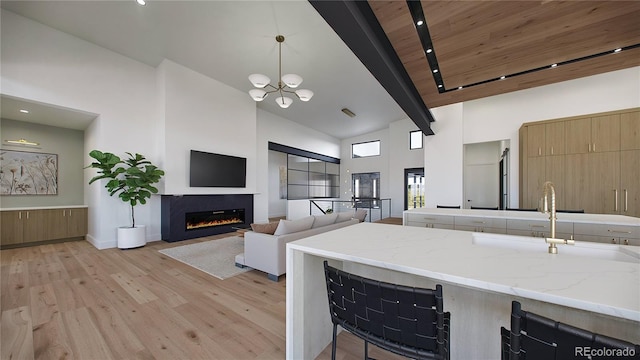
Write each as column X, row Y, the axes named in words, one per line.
column 28, row 173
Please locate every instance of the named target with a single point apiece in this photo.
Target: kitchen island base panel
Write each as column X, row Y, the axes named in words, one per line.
column 476, row 315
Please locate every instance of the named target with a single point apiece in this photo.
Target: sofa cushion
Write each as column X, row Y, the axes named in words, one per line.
column 268, row 228
column 324, row 220
column 292, row 226
column 345, row 215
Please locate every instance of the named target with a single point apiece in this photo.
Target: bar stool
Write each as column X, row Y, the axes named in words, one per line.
column 534, row 337
column 404, row 320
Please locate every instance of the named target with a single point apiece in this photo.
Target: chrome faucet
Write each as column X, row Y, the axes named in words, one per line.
column 549, row 191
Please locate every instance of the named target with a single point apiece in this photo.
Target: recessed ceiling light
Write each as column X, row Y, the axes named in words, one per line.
column 429, row 50
column 24, row 111
column 420, row 22
column 617, row 50
column 439, row 85
column 141, row 2
column 435, row 71
column 554, row 65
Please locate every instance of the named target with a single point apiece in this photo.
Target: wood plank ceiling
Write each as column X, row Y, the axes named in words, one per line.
column 477, row 41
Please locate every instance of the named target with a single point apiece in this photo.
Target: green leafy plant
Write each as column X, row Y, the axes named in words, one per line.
column 132, row 179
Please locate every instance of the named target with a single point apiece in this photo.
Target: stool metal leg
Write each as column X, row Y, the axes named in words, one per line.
column 333, row 344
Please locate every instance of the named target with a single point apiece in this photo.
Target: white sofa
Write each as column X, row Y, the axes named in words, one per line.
column 266, row 252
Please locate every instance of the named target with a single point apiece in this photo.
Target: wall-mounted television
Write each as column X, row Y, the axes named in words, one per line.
column 217, row 170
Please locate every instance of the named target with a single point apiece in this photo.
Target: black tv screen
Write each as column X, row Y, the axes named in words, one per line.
column 217, row 170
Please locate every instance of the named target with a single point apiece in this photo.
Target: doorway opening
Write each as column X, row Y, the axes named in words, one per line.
column 414, row 188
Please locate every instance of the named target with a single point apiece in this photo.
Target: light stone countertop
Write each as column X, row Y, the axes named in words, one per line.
column 592, row 284
column 532, row 215
column 44, row 207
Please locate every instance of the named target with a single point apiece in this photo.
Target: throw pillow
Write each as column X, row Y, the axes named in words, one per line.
column 324, row 220
column 291, row 226
column 360, row 214
column 345, row 216
column 268, row 228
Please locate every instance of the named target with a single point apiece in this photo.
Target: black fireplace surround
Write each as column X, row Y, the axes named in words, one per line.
column 174, row 210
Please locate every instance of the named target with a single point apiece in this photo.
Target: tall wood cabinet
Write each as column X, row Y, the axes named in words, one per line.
column 30, row 226
column 592, row 160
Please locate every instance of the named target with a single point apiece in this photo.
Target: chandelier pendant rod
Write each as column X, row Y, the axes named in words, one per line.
column 280, row 39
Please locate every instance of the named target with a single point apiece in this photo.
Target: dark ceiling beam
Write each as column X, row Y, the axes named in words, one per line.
column 358, row 27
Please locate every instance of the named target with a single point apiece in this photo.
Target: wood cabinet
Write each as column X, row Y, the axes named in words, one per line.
column 546, row 139
column 22, row 226
column 477, row 224
column 613, row 234
column 596, row 170
column 430, row 221
column 630, row 131
column 30, row 226
column 66, row 223
column 593, row 134
column 629, row 179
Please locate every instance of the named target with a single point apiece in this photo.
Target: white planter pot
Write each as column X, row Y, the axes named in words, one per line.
column 132, row 237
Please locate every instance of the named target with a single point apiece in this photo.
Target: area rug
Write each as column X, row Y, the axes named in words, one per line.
column 215, row 257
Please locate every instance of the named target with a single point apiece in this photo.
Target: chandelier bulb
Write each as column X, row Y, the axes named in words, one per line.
column 283, row 101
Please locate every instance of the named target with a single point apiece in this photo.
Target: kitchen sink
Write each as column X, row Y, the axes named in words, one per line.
column 611, row 252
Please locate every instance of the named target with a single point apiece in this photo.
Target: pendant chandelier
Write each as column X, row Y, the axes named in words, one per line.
column 286, row 83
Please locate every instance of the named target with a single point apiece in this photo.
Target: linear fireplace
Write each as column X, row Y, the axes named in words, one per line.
column 205, row 219
column 191, row 216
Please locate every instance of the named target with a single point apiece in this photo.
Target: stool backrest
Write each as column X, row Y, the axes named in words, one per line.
column 405, row 320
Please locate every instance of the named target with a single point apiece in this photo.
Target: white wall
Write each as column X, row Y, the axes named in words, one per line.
column 48, row 66
column 161, row 113
column 400, row 158
column 277, row 206
column 201, row 113
column 443, row 158
column 369, row 164
column 395, row 156
column 273, row 128
column 499, row 117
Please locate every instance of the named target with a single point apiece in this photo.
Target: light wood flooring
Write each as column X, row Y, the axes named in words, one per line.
column 72, row 301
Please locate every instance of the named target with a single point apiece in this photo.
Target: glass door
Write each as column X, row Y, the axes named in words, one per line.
column 414, row 189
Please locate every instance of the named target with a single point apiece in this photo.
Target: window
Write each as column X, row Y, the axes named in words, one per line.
column 415, row 140
column 365, row 149
column 366, row 189
column 309, row 178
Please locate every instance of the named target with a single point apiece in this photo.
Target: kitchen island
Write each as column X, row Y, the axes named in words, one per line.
column 480, row 278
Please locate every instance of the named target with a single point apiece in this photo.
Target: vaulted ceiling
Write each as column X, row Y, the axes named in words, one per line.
column 473, row 43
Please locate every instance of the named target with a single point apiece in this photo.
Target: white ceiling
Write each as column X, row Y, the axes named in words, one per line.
column 227, row 41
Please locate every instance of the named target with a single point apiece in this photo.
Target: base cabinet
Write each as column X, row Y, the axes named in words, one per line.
column 31, row 226
column 23, row 226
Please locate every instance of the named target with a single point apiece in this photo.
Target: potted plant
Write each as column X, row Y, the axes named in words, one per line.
column 132, row 179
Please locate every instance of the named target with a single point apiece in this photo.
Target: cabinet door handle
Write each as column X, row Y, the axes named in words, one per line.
column 615, row 199
column 539, row 151
column 589, row 147
column 20, row 215
column 69, row 212
column 64, row 213
column 27, row 215
column 618, row 231
column 538, row 226
column 552, row 150
column 594, row 147
column 626, row 199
